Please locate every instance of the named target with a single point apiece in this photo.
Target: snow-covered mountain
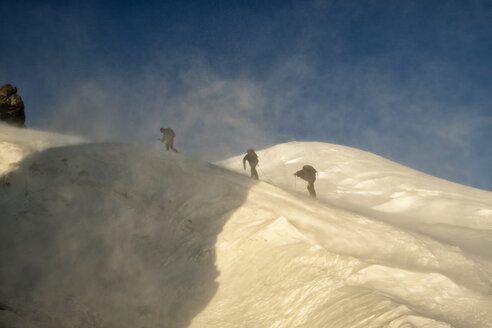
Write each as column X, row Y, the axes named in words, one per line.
column 117, row 235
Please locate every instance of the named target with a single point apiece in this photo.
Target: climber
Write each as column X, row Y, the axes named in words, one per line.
column 308, row 173
column 168, row 137
column 252, row 159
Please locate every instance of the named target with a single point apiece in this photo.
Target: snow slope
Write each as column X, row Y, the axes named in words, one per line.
column 116, row 235
column 369, row 184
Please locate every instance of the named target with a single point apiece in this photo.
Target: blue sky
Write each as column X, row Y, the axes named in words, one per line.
column 408, row 80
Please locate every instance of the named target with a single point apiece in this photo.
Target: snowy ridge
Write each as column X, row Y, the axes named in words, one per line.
column 14, row 146
column 116, row 235
column 373, row 186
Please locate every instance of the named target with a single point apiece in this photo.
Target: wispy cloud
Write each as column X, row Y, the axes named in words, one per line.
column 213, row 116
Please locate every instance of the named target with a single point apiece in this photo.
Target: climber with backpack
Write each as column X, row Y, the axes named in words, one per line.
column 168, row 137
column 308, row 173
column 252, row 159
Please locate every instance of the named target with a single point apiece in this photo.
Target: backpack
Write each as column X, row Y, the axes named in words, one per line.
column 309, row 169
column 252, row 157
column 168, row 133
column 307, row 173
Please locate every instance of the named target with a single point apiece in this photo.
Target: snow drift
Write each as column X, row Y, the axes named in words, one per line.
column 117, row 235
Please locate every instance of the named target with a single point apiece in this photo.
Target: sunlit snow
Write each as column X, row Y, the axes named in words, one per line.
column 118, row 235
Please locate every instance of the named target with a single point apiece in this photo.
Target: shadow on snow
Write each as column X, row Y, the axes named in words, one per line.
column 111, row 235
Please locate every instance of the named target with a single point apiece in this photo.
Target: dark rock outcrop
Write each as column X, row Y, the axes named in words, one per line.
column 11, row 106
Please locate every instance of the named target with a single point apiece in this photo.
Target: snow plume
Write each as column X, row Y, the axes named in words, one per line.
column 217, row 115
column 213, row 116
